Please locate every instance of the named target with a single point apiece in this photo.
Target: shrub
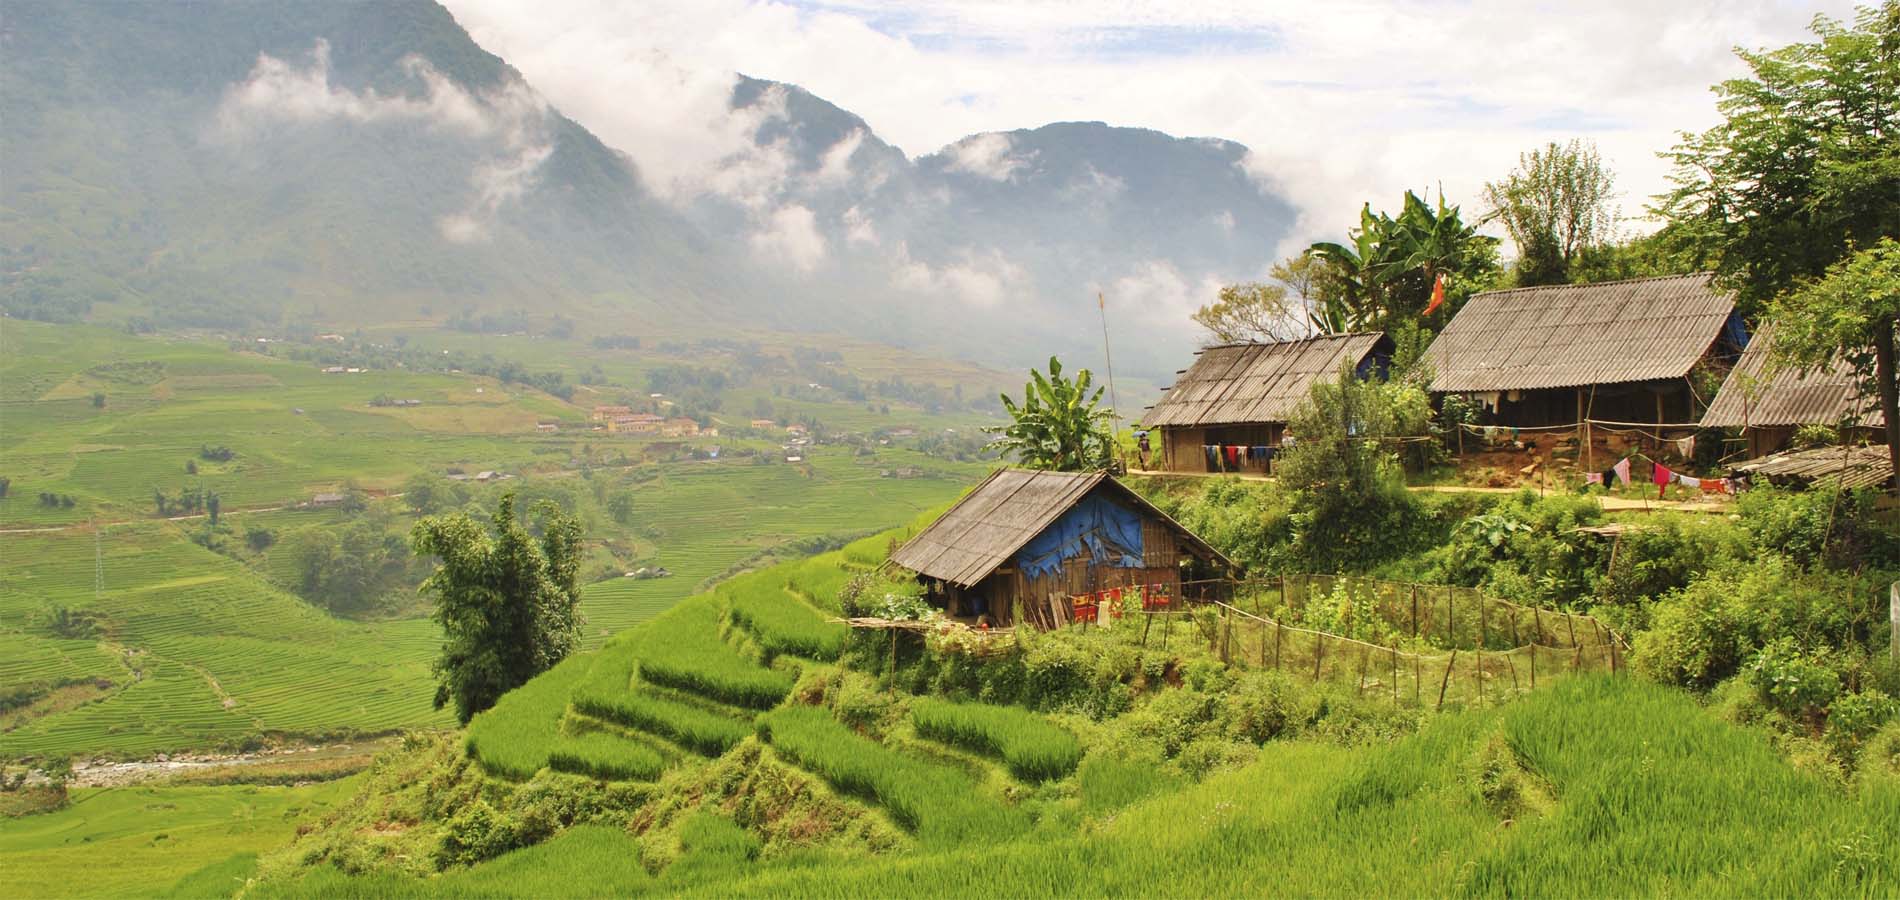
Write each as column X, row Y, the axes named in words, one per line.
column 606, row 756
column 1032, row 747
column 1796, row 681
column 1854, row 718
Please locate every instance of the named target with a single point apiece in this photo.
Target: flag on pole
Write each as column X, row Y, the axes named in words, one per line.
column 1438, row 295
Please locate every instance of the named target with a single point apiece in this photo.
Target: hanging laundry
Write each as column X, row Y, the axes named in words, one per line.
column 1233, row 456
column 1694, row 484
column 1662, row 475
column 1715, row 486
column 1686, row 447
column 1592, row 478
column 1213, row 458
column 1622, row 471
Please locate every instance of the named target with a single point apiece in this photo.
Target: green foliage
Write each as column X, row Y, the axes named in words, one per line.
column 605, row 756
column 506, row 603
column 1058, row 425
column 1836, row 529
column 682, row 650
column 608, row 692
column 513, row 738
column 1557, row 204
column 1386, row 275
column 1033, row 748
column 1854, row 718
column 781, row 623
column 350, row 569
column 1803, row 166
column 1792, row 679
column 1350, row 508
column 941, row 804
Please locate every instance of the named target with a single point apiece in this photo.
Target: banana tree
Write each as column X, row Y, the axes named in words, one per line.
column 1059, row 425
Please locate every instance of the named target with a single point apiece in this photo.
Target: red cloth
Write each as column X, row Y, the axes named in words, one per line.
column 1663, row 475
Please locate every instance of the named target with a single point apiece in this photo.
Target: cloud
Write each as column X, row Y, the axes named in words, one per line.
column 1358, row 104
column 858, row 228
column 834, row 167
column 982, row 279
column 509, row 122
column 790, row 236
column 985, row 155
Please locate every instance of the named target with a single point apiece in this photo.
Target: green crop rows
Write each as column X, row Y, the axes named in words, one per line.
column 1034, row 748
column 682, row 650
column 779, row 621
column 605, row 756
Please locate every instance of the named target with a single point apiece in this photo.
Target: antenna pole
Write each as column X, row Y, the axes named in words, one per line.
column 1114, row 403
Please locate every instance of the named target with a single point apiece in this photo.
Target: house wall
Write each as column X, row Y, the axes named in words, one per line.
column 1669, row 402
column 1182, row 447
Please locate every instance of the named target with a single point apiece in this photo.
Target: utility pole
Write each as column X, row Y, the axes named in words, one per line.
column 1114, row 403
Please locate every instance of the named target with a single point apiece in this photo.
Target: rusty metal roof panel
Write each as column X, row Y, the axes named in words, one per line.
column 1856, row 467
column 1571, row 335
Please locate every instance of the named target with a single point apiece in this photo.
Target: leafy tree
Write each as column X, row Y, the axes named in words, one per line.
column 506, row 602
column 1387, row 273
column 6, row 484
column 620, row 506
column 430, row 494
column 1849, row 314
column 1286, row 308
column 1059, row 425
column 260, row 539
column 1556, row 205
column 98, row 400
column 213, row 505
column 191, row 467
column 1805, row 163
column 1351, row 509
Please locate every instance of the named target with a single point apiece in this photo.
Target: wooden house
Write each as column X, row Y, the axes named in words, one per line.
column 638, row 423
column 1619, row 351
column 1023, row 543
column 606, row 413
column 1228, row 411
column 1767, row 411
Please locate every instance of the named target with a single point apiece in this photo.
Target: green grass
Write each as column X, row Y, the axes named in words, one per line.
column 682, row 650
column 943, row 805
column 605, row 756
column 133, row 841
column 516, row 736
column 583, row 861
column 1034, row 748
column 780, row 622
column 1594, row 787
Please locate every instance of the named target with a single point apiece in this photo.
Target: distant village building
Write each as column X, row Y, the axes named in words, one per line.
column 1023, row 544
column 546, row 427
column 328, row 499
column 1228, row 411
column 795, row 428
column 334, row 370
column 606, row 413
column 679, row 427
column 637, row 423
column 1619, row 351
column 1767, row 411
column 764, row 424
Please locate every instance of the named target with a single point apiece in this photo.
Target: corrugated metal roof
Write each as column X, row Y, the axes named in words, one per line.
column 1820, row 398
column 1857, row 467
column 1245, row 383
column 985, row 528
column 1570, row 335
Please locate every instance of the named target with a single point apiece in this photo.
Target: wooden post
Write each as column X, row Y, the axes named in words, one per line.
column 893, row 661
column 1483, row 634
column 1514, row 639
column 1612, row 656
column 1319, row 651
column 1277, row 628
column 1446, row 681
column 1147, row 619
column 1263, row 646
column 1414, row 609
column 1363, row 654
column 1513, row 664
column 1571, row 622
column 1537, row 619
column 1395, row 673
column 1167, row 626
column 1576, row 660
column 1533, row 667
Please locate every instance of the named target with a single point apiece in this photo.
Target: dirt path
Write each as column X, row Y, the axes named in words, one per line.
column 105, row 773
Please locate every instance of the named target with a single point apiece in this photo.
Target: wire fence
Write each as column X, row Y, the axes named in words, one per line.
column 1415, row 644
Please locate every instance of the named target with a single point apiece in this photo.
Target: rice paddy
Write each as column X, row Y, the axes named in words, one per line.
column 1034, row 748
column 605, row 756
column 780, row 621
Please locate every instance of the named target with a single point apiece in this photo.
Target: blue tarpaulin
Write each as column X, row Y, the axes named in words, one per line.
column 1109, row 534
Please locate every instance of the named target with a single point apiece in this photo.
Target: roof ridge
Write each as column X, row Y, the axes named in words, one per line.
column 1318, row 337
column 1592, row 284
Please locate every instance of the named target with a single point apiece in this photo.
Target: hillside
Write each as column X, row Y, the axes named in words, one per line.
column 675, row 784
column 240, row 165
column 129, row 631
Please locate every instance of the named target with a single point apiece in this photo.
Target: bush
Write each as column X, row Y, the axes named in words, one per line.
column 1856, row 717
column 1796, row 681
column 1836, row 529
column 1032, row 747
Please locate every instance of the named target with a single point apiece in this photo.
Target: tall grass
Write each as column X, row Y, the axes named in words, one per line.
column 1034, row 748
column 682, row 649
column 941, row 804
column 605, row 756
column 694, row 727
column 513, row 737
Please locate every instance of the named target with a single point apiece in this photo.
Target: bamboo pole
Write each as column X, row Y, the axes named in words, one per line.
column 1319, row 652
column 1395, row 675
column 1363, row 654
column 1276, row 646
column 1415, row 609
column 1533, row 667
column 1446, row 681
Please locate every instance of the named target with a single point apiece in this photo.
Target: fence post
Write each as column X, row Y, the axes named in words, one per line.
column 1395, row 673
column 1533, row 667
column 1571, row 621
column 1451, row 598
column 1576, row 661
column 1415, row 609
column 1612, row 655
column 1537, row 620
column 1319, row 651
column 1515, row 641
column 1513, row 664
column 1263, row 646
column 1167, row 626
column 1483, row 633
column 1363, row 655
column 1446, row 681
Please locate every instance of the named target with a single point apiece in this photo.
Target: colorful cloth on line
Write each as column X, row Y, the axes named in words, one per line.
column 1593, row 478
column 1690, row 483
column 1622, row 471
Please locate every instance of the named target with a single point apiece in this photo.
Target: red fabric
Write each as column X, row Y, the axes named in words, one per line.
column 1438, row 295
column 1663, row 475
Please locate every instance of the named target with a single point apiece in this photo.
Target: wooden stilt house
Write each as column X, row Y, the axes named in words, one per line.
column 1767, row 411
column 1023, row 543
column 1228, row 411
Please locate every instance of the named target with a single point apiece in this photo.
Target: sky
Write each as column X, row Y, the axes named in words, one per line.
column 1351, row 102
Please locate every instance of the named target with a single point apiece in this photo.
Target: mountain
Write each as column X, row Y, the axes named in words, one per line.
column 229, row 164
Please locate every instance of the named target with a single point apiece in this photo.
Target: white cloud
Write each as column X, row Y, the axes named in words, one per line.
column 789, row 236
column 985, row 155
column 1358, row 104
column 858, row 227
column 510, row 121
column 834, row 167
column 981, row 279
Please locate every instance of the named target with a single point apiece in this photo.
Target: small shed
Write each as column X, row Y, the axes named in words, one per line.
column 1767, row 411
column 1856, row 467
column 1023, row 543
column 1621, row 351
column 1228, row 411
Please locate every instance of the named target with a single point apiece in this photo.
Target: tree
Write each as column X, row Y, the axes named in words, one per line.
column 6, row 485
column 1283, row 309
column 1556, row 204
column 1059, row 425
column 506, row 602
column 1805, row 163
column 98, row 400
column 212, row 507
column 620, row 506
column 1351, row 505
column 1387, row 273
column 1849, row 314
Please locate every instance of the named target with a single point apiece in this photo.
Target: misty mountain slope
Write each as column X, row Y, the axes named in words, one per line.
column 339, row 162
